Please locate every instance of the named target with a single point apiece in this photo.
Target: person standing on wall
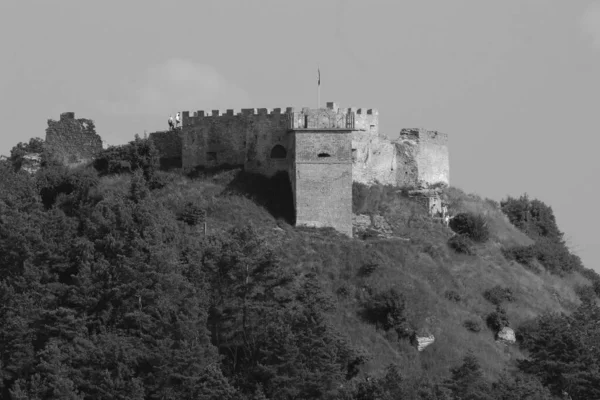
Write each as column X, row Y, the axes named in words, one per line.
column 171, row 127
column 177, row 121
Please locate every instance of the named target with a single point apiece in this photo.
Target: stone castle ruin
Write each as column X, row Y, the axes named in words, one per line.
column 323, row 151
column 72, row 141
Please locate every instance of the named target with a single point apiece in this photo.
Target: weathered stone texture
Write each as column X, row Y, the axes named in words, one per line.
column 169, row 146
column 432, row 156
column 323, row 196
column 246, row 138
column 323, row 179
column 506, row 336
column 72, row 141
column 304, row 141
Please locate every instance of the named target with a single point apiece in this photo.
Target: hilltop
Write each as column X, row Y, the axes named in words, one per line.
column 184, row 286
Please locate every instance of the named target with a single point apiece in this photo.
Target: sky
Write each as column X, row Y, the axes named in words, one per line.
column 514, row 83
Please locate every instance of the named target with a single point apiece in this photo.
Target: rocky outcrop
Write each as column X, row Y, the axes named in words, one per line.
column 421, row 342
column 32, row 162
column 372, row 226
column 506, row 336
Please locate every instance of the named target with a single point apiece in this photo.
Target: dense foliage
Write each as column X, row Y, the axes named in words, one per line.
column 564, row 351
column 473, row 226
column 537, row 220
column 118, row 294
column 35, row 145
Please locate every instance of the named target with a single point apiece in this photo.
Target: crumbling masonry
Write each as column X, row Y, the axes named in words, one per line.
column 323, row 151
column 72, row 141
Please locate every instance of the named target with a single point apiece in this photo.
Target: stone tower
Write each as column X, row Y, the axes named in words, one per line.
column 321, row 174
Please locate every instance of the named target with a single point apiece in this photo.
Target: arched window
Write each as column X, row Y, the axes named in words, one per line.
column 322, row 155
column 278, row 152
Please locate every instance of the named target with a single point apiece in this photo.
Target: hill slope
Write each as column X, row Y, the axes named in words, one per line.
column 117, row 274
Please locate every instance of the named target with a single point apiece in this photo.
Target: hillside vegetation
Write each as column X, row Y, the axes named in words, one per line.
column 122, row 281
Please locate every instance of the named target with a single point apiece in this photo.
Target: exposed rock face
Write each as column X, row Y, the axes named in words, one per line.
column 32, row 162
column 421, row 342
column 373, row 226
column 506, row 335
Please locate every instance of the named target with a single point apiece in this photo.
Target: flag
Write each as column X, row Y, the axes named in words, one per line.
column 318, row 77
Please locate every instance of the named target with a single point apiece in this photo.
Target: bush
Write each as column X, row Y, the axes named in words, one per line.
column 522, row 254
column 586, row 293
column 61, row 180
column 192, row 214
column 343, row 290
column 137, row 154
column 461, row 244
column 35, row 145
column 368, row 269
column 452, row 296
column 472, row 325
column 497, row 295
column 471, row 225
column 497, row 320
column 386, row 310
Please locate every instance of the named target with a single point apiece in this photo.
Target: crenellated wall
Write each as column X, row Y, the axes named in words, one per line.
column 72, row 141
column 247, row 137
column 323, row 150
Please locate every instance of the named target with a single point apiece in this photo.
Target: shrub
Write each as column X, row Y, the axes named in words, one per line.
column 61, row 180
column 386, row 310
column 35, row 145
column 344, row 290
column 497, row 320
column 368, row 269
column 471, row 225
column 137, row 154
column 452, row 296
column 461, row 244
column 472, row 325
column 192, row 214
column 497, row 295
column 521, row 254
column 586, row 293
column 159, row 180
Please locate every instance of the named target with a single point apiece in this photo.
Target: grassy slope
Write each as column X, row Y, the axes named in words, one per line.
column 423, row 269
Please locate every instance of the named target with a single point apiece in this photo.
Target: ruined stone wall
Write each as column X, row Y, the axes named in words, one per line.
column 72, row 141
column 323, row 179
column 373, row 159
column 323, row 150
column 417, row 158
column 432, row 156
column 169, row 146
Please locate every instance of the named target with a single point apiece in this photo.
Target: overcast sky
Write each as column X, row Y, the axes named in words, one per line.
column 515, row 83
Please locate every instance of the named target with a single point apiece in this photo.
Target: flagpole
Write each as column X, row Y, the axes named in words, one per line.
column 318, row 88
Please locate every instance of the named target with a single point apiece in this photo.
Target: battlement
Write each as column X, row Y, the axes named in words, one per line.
column 330, row 117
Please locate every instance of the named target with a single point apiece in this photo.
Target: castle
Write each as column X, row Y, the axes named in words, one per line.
column 323, row 151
